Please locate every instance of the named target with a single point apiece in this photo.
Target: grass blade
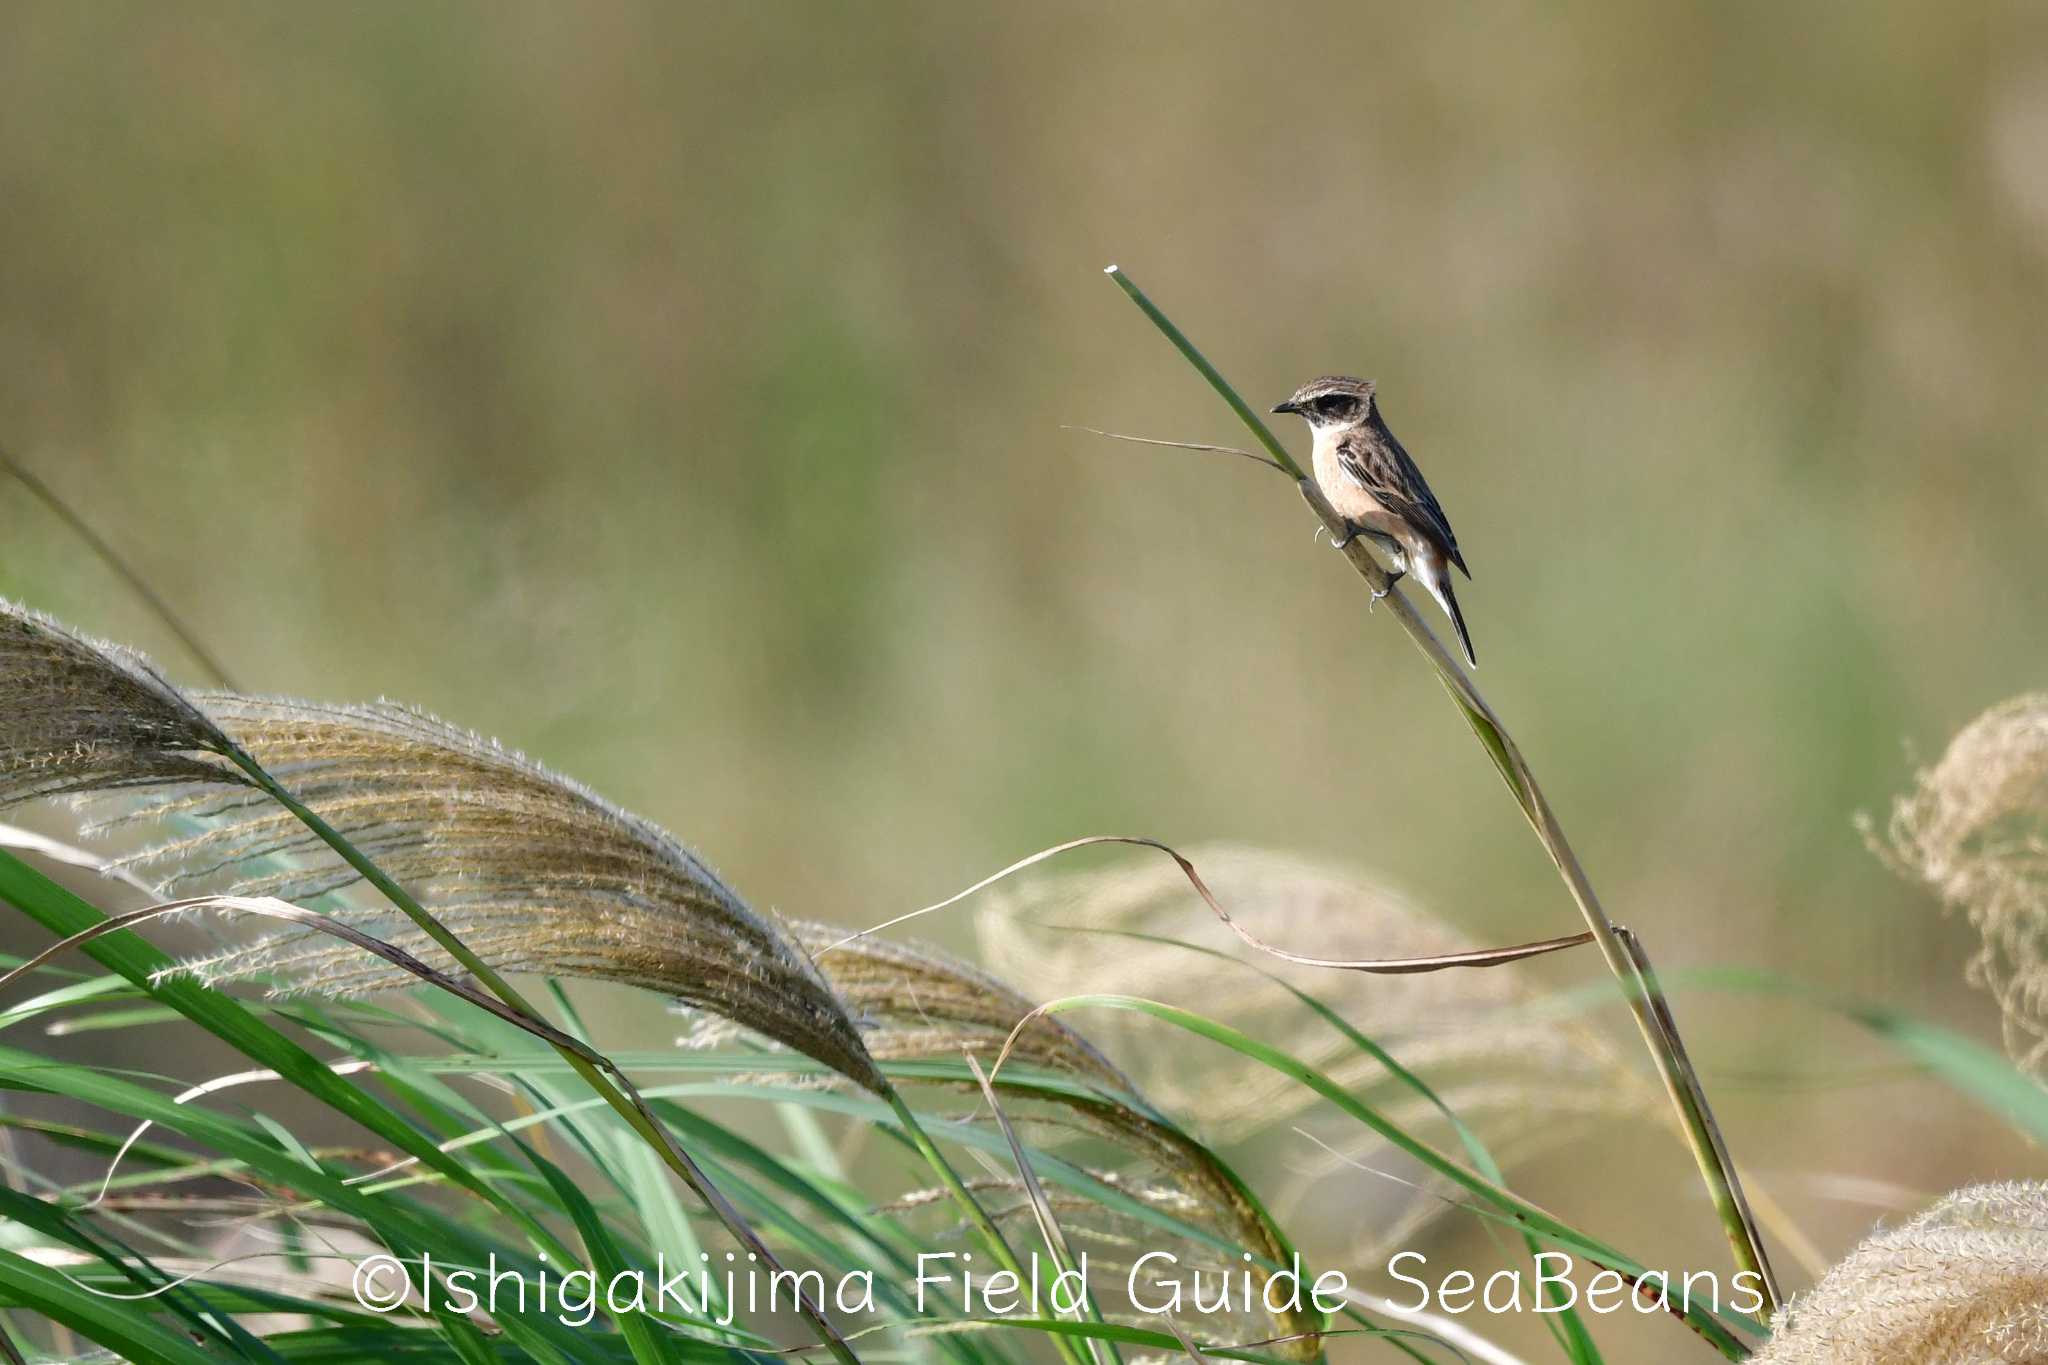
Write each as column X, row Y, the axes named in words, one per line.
column 1688, row 1101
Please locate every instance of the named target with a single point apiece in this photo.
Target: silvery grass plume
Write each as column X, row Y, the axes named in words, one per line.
column 533, row 871
column 78, row 715
column 1974, row 830
column 536, row 873
column 1965, row 1283
column 1518, row 1079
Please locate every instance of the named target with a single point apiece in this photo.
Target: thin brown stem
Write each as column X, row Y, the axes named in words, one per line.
column 1252, row 455
column 111, row 557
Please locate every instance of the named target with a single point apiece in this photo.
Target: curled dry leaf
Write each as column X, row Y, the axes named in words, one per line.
column 1521, row 1081
column 1965, row 1283
column 1974, row 830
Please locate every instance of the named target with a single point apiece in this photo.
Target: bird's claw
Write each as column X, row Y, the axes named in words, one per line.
column 1337, row 544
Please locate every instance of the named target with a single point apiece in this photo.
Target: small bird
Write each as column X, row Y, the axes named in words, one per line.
column 1377, row 489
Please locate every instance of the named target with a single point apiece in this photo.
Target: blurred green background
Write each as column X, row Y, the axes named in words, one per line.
column 679, row 393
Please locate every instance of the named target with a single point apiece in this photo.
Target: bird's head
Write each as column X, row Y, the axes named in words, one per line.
column 1333, row 401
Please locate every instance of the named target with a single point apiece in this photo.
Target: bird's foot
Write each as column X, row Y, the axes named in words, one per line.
column 1378, row 593
column 1349, row 536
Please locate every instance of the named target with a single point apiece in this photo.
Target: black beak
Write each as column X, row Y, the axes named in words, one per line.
column 1289, row 406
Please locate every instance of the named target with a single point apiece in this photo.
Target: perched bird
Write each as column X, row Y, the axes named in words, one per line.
column 1377, row 489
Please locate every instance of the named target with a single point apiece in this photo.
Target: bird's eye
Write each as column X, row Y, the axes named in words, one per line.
column 1332, row 404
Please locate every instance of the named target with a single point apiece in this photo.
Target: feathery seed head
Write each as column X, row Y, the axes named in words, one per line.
column 77, row 715
column 914, row 1001
column 1975, row 831
column 533, row 871
column 1964, row 1283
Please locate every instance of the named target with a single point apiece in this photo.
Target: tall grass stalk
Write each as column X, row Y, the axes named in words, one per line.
column 1652, row 1019
column 984, row 1226
column 1049, row 1230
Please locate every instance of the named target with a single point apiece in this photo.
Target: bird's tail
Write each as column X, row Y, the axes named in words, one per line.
column 1439, row 584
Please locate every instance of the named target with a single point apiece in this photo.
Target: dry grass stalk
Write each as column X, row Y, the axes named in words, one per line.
column 1965, row 1283
column 1975, row 831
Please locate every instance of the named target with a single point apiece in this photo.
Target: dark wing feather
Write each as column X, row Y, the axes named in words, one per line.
column 1374, row 458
